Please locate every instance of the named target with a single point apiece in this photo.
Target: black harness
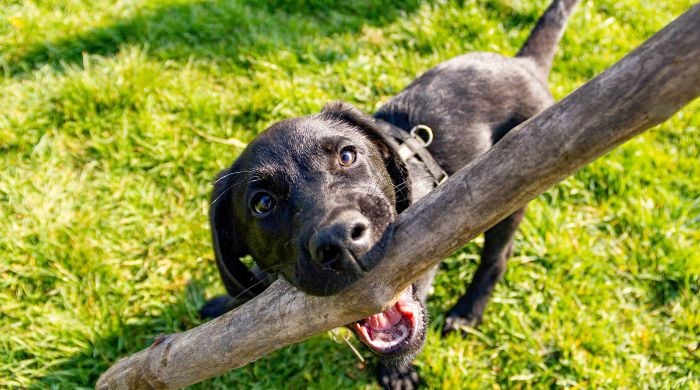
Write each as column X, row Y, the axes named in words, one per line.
column 414, row 143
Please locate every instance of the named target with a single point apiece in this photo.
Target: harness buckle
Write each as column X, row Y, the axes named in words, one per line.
column 427, row 131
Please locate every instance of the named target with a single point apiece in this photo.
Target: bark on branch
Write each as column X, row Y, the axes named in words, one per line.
column 640, row 91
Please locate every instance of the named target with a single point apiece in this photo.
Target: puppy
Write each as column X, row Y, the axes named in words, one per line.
column 311, row 196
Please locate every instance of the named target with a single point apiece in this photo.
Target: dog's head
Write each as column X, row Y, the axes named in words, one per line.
column 312, row 199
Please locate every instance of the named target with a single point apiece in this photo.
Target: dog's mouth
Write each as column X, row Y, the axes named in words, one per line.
column 393, row 329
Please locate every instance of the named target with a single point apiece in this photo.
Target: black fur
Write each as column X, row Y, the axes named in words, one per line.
column 330, row 221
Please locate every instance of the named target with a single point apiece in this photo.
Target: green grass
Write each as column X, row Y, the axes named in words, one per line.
column 108, row 111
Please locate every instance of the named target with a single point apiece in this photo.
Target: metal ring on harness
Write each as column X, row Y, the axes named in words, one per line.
column 427, row 131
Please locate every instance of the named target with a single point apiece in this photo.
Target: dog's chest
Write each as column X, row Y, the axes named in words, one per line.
column 421, row 180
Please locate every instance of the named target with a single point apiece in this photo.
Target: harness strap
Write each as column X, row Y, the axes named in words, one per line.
column 415, row 143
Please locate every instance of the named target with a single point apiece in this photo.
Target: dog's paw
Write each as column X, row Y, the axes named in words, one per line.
column 455, row 323
column 397, row 378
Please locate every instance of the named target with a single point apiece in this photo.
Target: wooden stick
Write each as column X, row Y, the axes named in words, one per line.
column 642, row 90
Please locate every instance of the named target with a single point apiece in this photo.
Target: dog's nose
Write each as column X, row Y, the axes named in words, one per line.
column 339, row 245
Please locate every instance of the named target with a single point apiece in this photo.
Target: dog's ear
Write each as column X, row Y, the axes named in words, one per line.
column 394, row 165
column 228, row 245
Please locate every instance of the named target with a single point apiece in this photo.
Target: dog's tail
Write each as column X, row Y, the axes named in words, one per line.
column 542, row 42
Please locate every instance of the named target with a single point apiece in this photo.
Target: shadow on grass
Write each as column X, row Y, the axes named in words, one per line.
column 216, row 29
column 318, row 361
column 221, row 31
column 668, row 289
column 128, row 336
column 512, row 18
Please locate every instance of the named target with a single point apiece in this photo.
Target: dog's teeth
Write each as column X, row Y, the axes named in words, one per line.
column 407, row 308
column 385, row 320
column 393, row 316
column 386, row 330
column 379, row 321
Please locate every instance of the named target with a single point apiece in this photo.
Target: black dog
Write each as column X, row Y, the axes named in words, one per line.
column 311, row 196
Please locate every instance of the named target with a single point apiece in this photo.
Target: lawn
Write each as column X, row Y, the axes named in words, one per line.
column 115, row 117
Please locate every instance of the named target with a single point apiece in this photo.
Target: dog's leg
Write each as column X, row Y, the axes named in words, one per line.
column 498, row 246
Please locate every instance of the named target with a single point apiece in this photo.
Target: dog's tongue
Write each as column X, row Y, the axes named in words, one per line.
column 385, row 319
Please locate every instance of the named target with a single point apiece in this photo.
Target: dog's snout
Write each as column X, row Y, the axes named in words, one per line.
column 359, row 231
column 327, row 254
column 326, row 249
column 338, row 245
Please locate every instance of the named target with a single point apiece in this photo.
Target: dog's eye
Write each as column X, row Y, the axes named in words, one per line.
column 347, row 156
column 262, row 203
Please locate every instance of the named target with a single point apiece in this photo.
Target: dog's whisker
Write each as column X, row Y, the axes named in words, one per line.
column 233, row 186
column 220, row 195
column 245, row 291
column 231, row 174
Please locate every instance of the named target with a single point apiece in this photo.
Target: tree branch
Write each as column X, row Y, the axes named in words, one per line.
column 642, row 90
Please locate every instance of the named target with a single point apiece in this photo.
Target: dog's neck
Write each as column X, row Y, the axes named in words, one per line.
column 421, row 180
column 412, row 147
